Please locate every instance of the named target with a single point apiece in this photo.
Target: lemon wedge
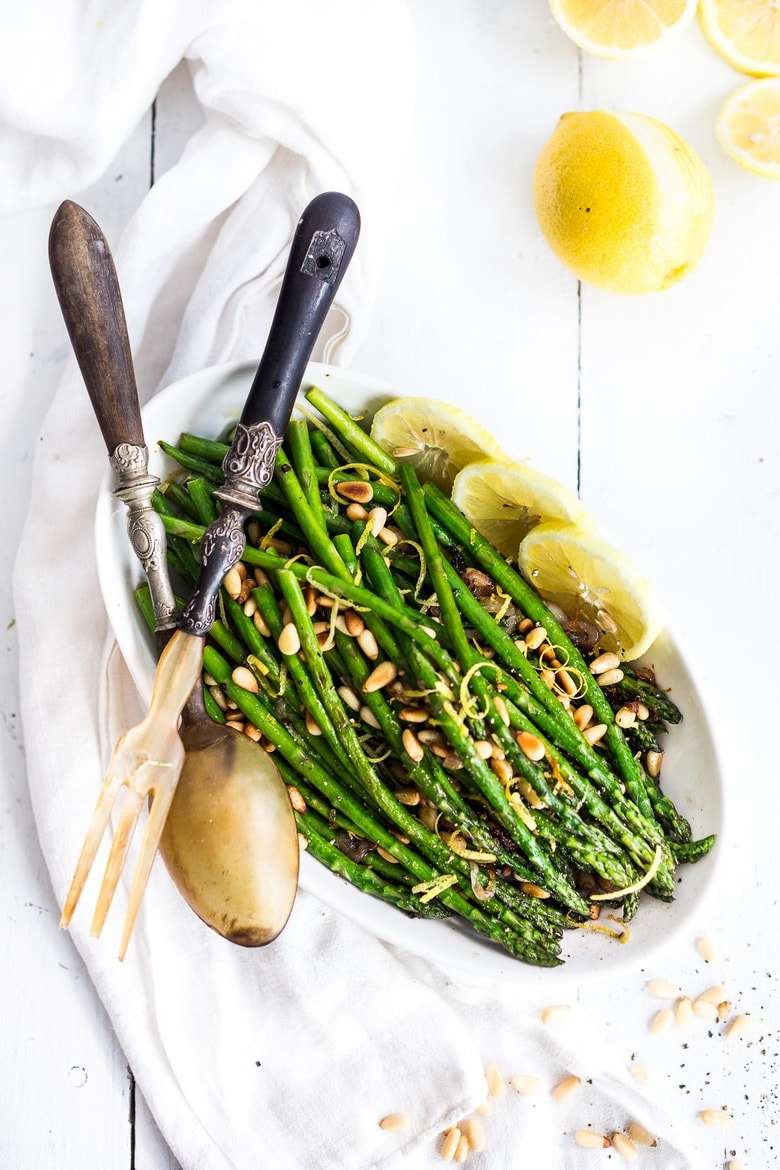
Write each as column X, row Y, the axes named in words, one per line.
column 589, row 578
column 504, row 500
column 746, row 33
column 623, row 201
column 748, row 127
column 436, row 438
column 621, row 29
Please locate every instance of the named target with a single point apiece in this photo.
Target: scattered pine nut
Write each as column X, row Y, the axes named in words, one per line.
column 595, row 732
column 341, row 624
column 357, row 490
column 625, row 717
column 485, row 1109
column 503, row 769
column 250, row 607
column 705, row 948
column 356, row 512
column 261, row 577
column 430, row 736
column 242, row 676
column 219, row 697
column 501, row 708
column 526, row 1086
column 476, row 1134
column 530, row 745
column 642, row 712
column 463, row 1150
column 625, row 1147
column 378, row 519
column 604, row 662
column 565, row 680
column 236, row 724
column 348, row 698
column 296, row 800
column 716, row 1116
column 735, row 1164
column 705, row 1010
column 534, row 891
column 387, row 856
column 394, row 1122
column 412, row 746
column 611, row 678
column 289, row 640
column 368, row 644
column 535, row 637
column 739, row 1028
column 640, row 1136
column 354, row 623
column 312, row 726
column 661, row 1021
column 583, row 716
column 232, row 583
column 654, row 761
column 590, row 1140
column 368, row 716
column 413, row 715
column 724, row 1008
column 663, row 989
column 565, row 1088
column 253, row 732
column 548, row 678
column 683, row 1012
column 450, row 1144
column 484, row 748
column 554, row 1012
column 408, row 796
column 495, row 1082
column 380, row 676
column 260, row 624
column 640, row 1073
column 714, row 994
column 387, row 536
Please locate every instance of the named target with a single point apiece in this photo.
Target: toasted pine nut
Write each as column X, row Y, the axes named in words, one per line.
column 595, row 732
column 567, row 682
column 706, row 949
column 439, row 749
column 269, row 747
column 240, row 568
column 387, row 536
column 503, row 769
column 526, row 1085
column 476, row 1134
column 430, row 735
column 716, row 1116
column 378, row 519
column 368, row 644
column 605, row 662
column 242, row 676
column 387, row 856
column 534, row 891
column 310, row 597
column 429, row 816
column 590, row 1140
column 233, row 582
column 450, row 1144
column 261, row 624
column 408, row 796
column 296, row 800
column 683, row 1012
column 325, row 602
column 341, row 624
column 235, row 724
column 380, row 676
column 312, row 726
column 642, row 712
column 735, row 1164
column 463, row 1150
column 413, row 715
column 530, row 745
column 324, row 640
column 356, row 490
column 219, row 697
column 554, row 1012
column 484, row 748
column 282, row 547
column 498, row 752
column 739, row 1028
column 253, row 732
column 261, row 577
column 412, row 746
column 368, row 716
column 289, row 640
column 583, row 716
column 250, row 607
column 653, row 761
column 564, row 1089
column 452, row 761
column 714, row 994
column 501, row 708
column 724, row 1008
column 625, row 1147
column 535, row 637
column 394, row 1121
column 485, row 1109
column 705, row 1010
column 661, row 1021
column 495, row 1082
column 663, row 989
column 610, row 678
column 639, row 1135
column 354, row 623
column 356, row 512
column 625, row 717
column 349, row 698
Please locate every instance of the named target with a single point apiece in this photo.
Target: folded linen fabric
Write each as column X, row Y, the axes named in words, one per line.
column 290, row 1056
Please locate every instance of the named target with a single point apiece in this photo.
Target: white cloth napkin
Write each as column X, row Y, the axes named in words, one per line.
column 289, row 1056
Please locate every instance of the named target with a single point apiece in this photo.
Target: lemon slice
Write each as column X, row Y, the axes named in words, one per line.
column 745, row 32
column 748, row 127
column 436, row 438
column 504, row 500
column 621, row 29
column 589, row 578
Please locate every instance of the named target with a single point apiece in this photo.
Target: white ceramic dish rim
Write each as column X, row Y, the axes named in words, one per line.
column 214, row 396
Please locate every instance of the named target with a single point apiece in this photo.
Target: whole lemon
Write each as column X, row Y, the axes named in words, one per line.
column 623, row 201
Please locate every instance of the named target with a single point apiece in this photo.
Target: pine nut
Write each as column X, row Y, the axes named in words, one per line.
column 235, row 724
column 250, row 607
column 253, row 732
column 595, row 732
column 604, row 662
column 240, row 568
column 341, row 624
column 310, row 598
column 498, row 752
column 463, row 1150
column 501, row 708
column 714, row 994
column 739, row 1029
column 503, row 769
column 394, row 1122
column 526, row 1086
column 429, row 816
column 706, row 949
column 387, row 536
column 261, row 577
column 325, row 602
column 368, row 716
column 450, row 1144
column 289, row 640
column 495, row 1082
column 663, row 989
column 642, row 712
column 583, row 716
column 413, row 715
column 253, row 532
column 565, row 1088
column 412, row 746
column 716, row 1116
column 233, row 582
column 324, row 640
column 312, row 726
column 724, row 1008
column 296, row 800
column 282, row 547
column 640, row 1136
column 683, row 1012
column 476, row 1134
column 484, row 748
column 377, row 518
column 554, row 1012
column 525, row 625
column 356, row 490
column 625, row 1147
column 219, row 697
column 530, row 745
column 534, row 891
column 625, row 717
column 705, row 1010
column 430, row 736
column 567, row 682
column 261, row 624
column 368, row 644
column 639, row 1072
column 535, row 637
column 349, row 698
column 387, row 856
column 380, row 676
column 439, row 749
column 354, row 623
column 408, row 796
column 485, row 1109
column 735, row 1164
column 452, row 761
column 269, row 747
column 590, row 1140
column 356, row 512
column 661, row 1021
column 610, row 678
column 547, row 655
column 242, row 676
column 653, row 760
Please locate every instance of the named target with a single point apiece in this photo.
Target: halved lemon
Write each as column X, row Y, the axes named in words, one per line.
column 621, row 28
column 748, row 127
column 504, row 500
column 745, row 32
column 589, row 578
column 436, row 438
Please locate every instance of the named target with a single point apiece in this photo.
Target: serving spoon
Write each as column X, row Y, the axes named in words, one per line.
column 230, row 842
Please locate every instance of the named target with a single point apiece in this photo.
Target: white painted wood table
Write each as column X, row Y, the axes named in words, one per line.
column 663, row 411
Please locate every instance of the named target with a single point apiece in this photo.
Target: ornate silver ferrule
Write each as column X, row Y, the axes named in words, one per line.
column 221, row 549
column 249, row 465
